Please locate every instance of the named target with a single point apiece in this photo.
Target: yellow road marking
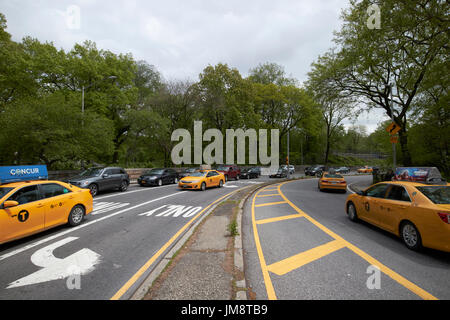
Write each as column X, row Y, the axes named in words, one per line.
column 147, row 265
column 297, row 261
column 269, row 189
column 284, row 266
column 269, row 195
column 269, row 220
column 262, row 262
column 270, row 204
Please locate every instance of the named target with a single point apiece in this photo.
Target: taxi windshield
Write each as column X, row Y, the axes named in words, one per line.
column 437, row 194
column 198, row 174
column 92, row 172
column 4, row 191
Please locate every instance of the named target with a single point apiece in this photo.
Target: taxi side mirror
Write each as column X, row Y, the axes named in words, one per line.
column 10, row 203
column 360, row 193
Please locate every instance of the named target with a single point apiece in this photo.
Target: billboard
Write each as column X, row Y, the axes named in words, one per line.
column 22, row 173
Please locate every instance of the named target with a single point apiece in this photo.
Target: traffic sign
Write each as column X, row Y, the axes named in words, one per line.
column 393, row 128
column 394, row 139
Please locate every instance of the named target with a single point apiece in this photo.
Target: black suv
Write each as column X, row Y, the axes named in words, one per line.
column 315, row 170
column 102, row 178
column 158, row 177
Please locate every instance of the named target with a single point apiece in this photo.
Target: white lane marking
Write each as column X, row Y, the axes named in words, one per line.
column 79, row 263
column 103, row 207
column 230, row 186
column 173, row 210
column 133, row 191
column 84, row 225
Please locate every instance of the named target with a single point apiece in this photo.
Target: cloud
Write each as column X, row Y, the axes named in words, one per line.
column 183, row 37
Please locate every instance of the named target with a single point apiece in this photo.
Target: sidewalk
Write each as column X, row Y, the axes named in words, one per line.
column 208, row 264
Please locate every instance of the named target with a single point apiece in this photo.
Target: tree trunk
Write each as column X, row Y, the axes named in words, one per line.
column 406, row 156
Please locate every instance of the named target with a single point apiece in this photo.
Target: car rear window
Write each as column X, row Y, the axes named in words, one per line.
column 330, row 175
column 437, row 194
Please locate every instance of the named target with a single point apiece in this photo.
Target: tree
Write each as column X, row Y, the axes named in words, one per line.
column 395, row 59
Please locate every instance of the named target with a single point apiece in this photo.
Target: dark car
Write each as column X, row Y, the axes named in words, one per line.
column 250, row 173
column 187, row 172
column 158, row 177
column 230, row 171
column 315, row 170
column 281, row 173
column 102, row 178
column 342, row 170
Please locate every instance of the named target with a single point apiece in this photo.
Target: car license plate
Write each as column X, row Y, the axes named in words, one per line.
column 333, row 182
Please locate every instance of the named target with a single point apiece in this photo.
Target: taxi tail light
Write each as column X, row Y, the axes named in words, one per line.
column 445, row 217
column 326, row 181
column 341, row 181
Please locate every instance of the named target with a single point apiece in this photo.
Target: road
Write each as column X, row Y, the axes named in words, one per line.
column 299, row 244
column 112, row 250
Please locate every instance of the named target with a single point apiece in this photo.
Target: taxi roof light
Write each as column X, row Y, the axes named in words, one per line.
column 10, row 174
column 427, row 175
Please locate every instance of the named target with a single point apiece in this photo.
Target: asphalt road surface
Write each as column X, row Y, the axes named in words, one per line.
column 111, row 252
column 299, row 244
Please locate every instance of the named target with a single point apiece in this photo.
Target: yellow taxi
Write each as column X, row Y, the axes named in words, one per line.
column 332, row 181
column 366, row 169
column 29, row 206
column 417, row 209
column 202, row 179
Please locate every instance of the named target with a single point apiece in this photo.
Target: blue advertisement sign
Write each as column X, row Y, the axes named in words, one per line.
column 22, row 173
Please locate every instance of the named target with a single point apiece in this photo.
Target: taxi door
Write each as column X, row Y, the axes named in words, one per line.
column 210, row 179
column 57, row 201
column 395, row 207
column 24, row 219
column 372, row 202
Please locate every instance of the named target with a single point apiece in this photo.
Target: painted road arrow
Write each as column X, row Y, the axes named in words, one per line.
column 79, row 263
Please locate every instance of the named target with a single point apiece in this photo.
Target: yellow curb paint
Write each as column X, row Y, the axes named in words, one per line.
column 147, row 265
column 270, row 220
column 262, row 262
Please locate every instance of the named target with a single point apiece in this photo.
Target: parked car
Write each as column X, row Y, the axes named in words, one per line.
column 250, row 173
column 101, row 178
column 315, row 170
column 342, row 170
column 281, row 173
column 187, row 172
column 158, row 177
column 230, row 171
column 291, row 168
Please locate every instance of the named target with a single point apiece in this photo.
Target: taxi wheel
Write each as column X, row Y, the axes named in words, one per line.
column 220, row 183
column 76, row 215
column 351, row 211
column 203, row 188
column 411, row 236
column 93, row 188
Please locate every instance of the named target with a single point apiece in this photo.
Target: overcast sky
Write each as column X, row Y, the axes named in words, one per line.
column 181, row 37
